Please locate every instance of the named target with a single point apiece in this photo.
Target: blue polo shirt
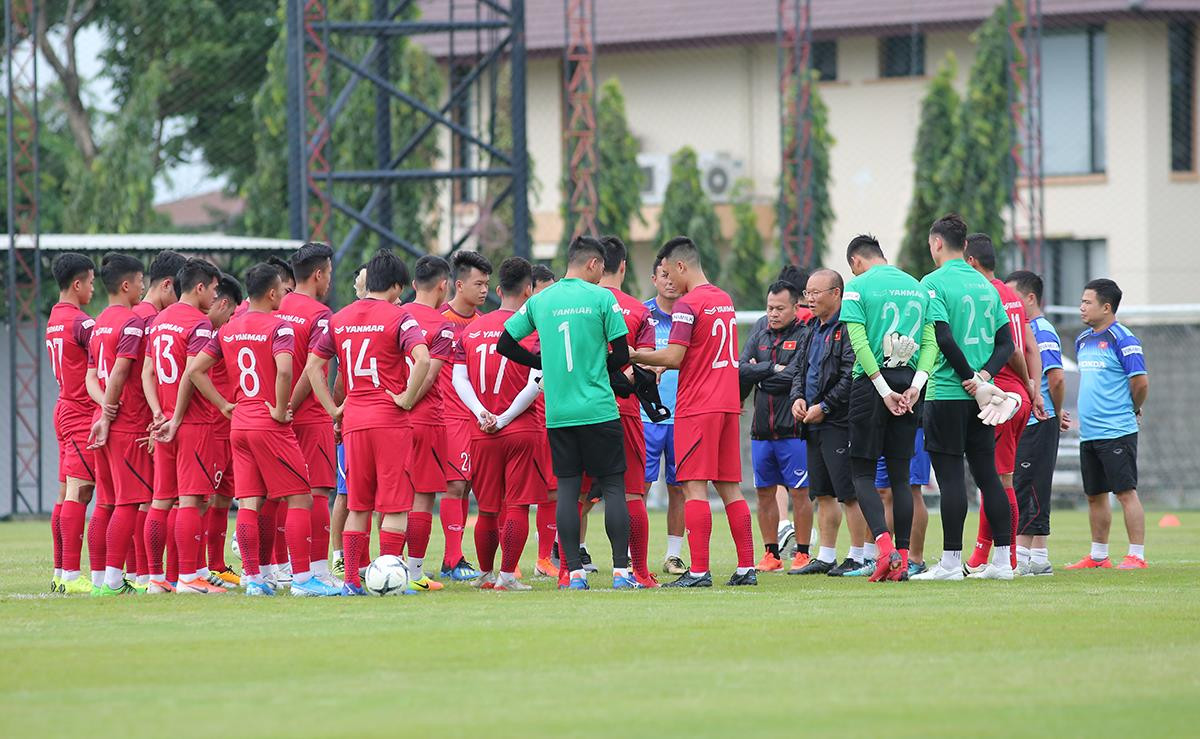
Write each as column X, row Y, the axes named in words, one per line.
column 818, row 348
column 1051, row 351
column 1107, row 359
column 668, row 384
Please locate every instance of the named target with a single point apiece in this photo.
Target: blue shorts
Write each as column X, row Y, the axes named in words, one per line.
column 660, row 441
column 341, row 470
column 918, row 467
column 780, row 462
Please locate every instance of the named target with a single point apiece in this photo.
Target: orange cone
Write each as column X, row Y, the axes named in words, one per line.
column 1168, row 521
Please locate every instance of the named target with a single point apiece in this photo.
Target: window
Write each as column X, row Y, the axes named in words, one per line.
column 1069, row 265
column 1073, row 101
column 1181, row 43
column 824, row 59
column 902, row 56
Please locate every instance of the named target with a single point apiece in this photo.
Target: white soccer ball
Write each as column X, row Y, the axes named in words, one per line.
column 237, row 551
column 387, row 575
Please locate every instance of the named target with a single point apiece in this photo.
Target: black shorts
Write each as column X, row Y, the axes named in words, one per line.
column 1109, row 465
column 597, row 449
column 874, row 431
column 953, row 427
column 1037, row 455
column 829, row 464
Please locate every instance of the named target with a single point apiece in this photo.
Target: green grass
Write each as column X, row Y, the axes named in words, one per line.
column 1092, row 653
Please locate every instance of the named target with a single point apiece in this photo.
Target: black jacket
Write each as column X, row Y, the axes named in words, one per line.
column 772, row 409
column 835, row 374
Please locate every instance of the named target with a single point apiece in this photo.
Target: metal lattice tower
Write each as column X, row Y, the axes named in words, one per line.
column 579, row 122
column 1027, row 216
column 794, row 57
column 24, row 269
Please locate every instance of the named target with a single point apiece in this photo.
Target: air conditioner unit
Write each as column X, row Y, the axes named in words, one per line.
column 656, row 173
column 719, row 172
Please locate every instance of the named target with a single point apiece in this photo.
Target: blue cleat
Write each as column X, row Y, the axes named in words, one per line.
column 916, row 568
column 259, row 588
column 625, row 582
column 314, row 588
column 464, row 571
column 348, row 589
column 578, row 583
column 866, row 570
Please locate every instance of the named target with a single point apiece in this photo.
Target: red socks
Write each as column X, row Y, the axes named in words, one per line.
column 487, row 539
column 903, row 559
column 156, row 540
column 171, row 546
column 70, row 523
column 120, row 532
column 297, row 529
column 280, row 540
column 56, row 534
column 738, row 515
column 639, row 535
column 97, row 535
column 216, row 525
column 320, row 528
column 420, row 528
column 450, row 510
column 187, row 538
column 697, row 517
column 983, row 541
column 391, row 542
column 266, row 533
column 516, row 533
column 547, row 529
column 141, row 560
column 355, row 545
column 247, row 527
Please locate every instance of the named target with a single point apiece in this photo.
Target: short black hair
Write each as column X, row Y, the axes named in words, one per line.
column 229, row 288
column 542, row 273
column 466, row 260
column 797, row 276
column 583, row 248
column 1106, row 292
column 283, row 268
column 1027, row 282
column 166, row 264
column 980, row 247
column 865, row 246
column 430, row 270
column 515, row 274
column 953, row 230
column 681, row 248
column 385, row 270
column 195, row 271
column 614, row 253
column 310, row 257
column 783, row 286
column 261, row 278
column 116, row 268
column 70, row 266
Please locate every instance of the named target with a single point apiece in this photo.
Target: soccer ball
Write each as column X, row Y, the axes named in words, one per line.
column 387, row 575
column 237, row 550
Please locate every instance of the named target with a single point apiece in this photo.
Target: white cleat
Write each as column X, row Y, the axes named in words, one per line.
column 938, row 572
column 969, row 569
column 506, row 583
column 993, row 572
column 487, row 582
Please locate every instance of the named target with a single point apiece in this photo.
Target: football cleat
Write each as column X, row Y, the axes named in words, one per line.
column 647, row 581
column 970, row 569
column 814, row 567
column 554, row 558
column 625, row 582
column 424, row 584
column 746, row 578
column 1087, row 563
column 586, row 560
column 574, row 583
column 228, row 577
column 866, row 570
column 486, row 582
column 1132, row 562
column 798, row 562
column 786, row 536
column 1035, row 569
column 79, row 586
column 769, row 563
column 283, row 573
column 338, row 567
column 993, row 571
column 313, row 588
column 107, row 592
column 349, row 590
column 464, row 571
column 198, row 586
column 545, row 568
column 885, row 566
column 916, row 568
column 674, row 566
column 159, row 587
column 688, row 580
column 56, row 585
column 259, row 588
column 511, row 584
column 847, row 565
column 937, row 572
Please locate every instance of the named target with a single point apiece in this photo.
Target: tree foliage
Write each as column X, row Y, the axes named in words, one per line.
column 746, row 271
column 687, row 211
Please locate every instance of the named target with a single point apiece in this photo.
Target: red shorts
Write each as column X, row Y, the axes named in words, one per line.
column 267, row 463
column 546, row 462
column 708, row 447
column 635, row 455
column 429, row 459
column 189, row 464
column 379, row 469
column 508, row 470
column 75, row 460
column 320, row 451
column 225, row 473
column 124, row 472
column 1008, row 434
column 458, row 448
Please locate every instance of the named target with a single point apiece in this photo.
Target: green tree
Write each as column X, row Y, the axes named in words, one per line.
column 822, row 142
column 746, row 270
column 976, row 176
column 687, row 211
column 935, row 139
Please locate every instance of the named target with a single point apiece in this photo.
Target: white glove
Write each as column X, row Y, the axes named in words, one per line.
column 985, row 391
column 898, row 349
column 1002, row 408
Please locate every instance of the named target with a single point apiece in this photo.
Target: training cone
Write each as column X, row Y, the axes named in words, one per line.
column 1169, row 521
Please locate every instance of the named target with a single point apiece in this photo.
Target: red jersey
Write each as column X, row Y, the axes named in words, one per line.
column 496, row 380
column 373, row 340
column 120, row 334
column 640, row 336
column 146, row 311
column 220, row 379
column 439, row 335
column 1006, row 378
column 704, row 322
column 247, row 346
column 309, row 318
column 68, row 332
column 178, row 332
column 453, row 407
column 242, row 309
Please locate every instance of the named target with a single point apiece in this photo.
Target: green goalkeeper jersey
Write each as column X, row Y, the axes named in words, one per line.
column 966, row 301
column 886, row 300
column 575, row 321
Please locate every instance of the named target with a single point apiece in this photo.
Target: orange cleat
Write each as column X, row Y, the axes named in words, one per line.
column 1132, row 562
column 769, row 563
column 545, row 568
column 646, row 581
column 198, row 586
column 1087, row 563
column 799, row 561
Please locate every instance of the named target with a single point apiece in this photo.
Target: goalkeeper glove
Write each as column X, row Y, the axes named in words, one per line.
column 1002, row 408
column 985, row 392
column 898, row 349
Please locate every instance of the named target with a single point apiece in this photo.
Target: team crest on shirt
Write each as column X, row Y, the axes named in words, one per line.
column 789, row 346
column 1103, row 344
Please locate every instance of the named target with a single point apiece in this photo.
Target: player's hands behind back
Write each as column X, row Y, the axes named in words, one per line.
column 898, row 350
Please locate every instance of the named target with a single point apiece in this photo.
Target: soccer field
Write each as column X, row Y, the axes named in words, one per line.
column 1096, row 653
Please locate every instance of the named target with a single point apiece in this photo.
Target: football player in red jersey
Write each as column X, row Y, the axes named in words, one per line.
column 337, row 519
column 123, row 469
column 377, row 340
column 68, row 331
column 704, row 347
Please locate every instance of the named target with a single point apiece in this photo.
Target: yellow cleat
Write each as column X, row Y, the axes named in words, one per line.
column 424, row 585
column 79, row 586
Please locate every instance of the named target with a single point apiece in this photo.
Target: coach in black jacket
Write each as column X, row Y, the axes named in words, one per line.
column 820, row 399
column 767, row 367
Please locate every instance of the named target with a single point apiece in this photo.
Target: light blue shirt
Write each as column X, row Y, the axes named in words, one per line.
column 1051, row 350
column 669, row 382
column 1106, row 362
